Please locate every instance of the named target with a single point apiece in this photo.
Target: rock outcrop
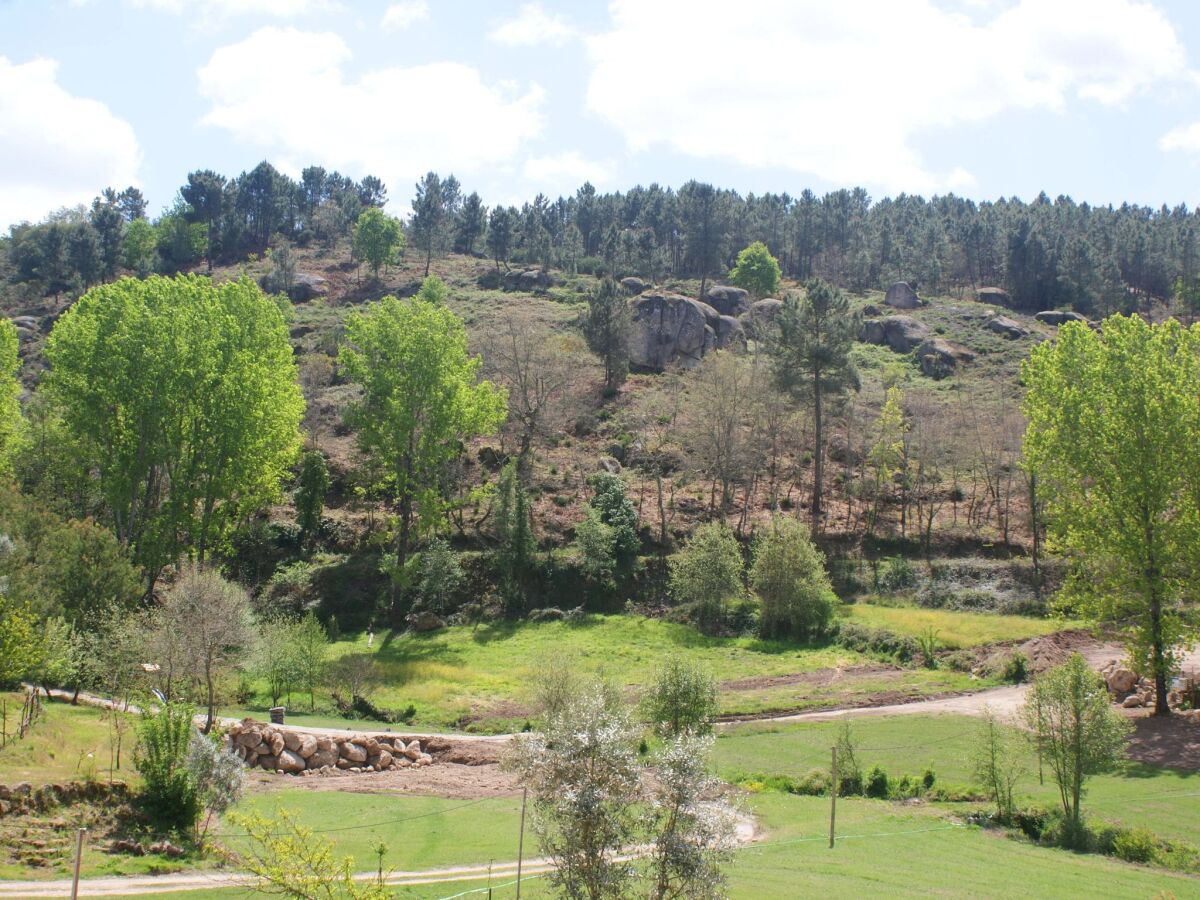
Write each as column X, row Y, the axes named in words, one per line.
column 1009, row 328
column 728, row 301
column 635, row 285
column 1058, row 317
column 901, row 296
column 670, row 329
column 287, row 751
column 994, row 295
column 901, row 333
column 532, row 280
column 939, row 358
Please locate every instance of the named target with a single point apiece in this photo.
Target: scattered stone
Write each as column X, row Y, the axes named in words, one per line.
column 125, row 845
column 167, row 849
column 901, row 296
column 1058, row 317
column 994, row 295
column 635, row 285
column 1122, row 681
column 1132, row 701
column 728, row 301
column 1007, row 327
column 939, row 358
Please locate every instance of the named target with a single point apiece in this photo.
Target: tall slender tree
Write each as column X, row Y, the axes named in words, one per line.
column 811, row 353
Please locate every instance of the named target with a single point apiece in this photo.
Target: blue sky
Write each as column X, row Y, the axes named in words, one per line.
column 1098, row 99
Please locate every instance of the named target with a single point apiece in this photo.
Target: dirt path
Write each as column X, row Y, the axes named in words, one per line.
column 126, row 886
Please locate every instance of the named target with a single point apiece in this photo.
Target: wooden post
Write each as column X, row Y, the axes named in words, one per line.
column 833, row 791
column 78, row 859
column 521, row 840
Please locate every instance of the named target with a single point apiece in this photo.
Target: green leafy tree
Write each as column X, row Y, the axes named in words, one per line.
column 378, row 239
column 313, row 485
column 788, row 574
column 886, row 456
column 422, row 399
column 168, row 793
column 276, row 659
column 20, row 641
column 1114, row 435
column 205, row 194
column 996, row 762
column 441, row 577
column 139, row 247
column 612, row 505
column 596, row 544
column 502, row 228
column 756, row 270
column 311, row 640
column 707, row 572
column 1076, row 729
column 811, row 353
column 515, row 547
column 606, row 327
column 12, row 425
column 182, row 397
column 682, row 699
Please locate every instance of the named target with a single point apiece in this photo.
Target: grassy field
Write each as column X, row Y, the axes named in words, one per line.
column 1163, row 800
column 68, row 742
column 882, row 850
column 481, row 679
column 954, row 629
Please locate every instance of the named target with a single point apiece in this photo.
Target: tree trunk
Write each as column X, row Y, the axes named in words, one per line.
column 818, row 458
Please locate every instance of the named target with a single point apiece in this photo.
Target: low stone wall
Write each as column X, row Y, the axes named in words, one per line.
column 24, row 797
column 290, row 751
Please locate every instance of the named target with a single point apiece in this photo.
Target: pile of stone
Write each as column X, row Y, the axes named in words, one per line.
column 1131, row 690
column 25, row 798
column 287, row 751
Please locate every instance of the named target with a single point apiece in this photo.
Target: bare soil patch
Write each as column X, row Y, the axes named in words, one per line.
column 819, row 678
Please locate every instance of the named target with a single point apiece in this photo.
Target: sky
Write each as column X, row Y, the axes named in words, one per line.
column 1095, row 99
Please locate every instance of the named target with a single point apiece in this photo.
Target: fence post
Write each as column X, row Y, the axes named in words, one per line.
column 833, row 792
column 78, row 859
column 521, row 840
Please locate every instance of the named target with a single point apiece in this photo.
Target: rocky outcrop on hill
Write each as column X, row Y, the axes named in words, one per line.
column 994, row 295
column 1009, row 328
column 760, row 317
column 531, row 280
column 635, row 285
column 901, row 296
column 939, row 358
column 901, row 333
column 286, row 751
column 1058, row 317
column 670, row 329
column 728, row 301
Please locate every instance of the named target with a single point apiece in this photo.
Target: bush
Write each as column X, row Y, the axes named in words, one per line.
column 789, row 576
column 707, row 573
column 1016, row 668
column 814, row 783
column 879, row 641
column 876, row 785
column 682, row 700
column 168, row 796
column 1137, row 845
column 895, row 574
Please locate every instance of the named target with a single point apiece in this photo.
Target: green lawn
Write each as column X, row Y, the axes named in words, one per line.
column 68, row 742
column 955, row 629
column 1163, row 800
column 482, row 678
column 419, row 832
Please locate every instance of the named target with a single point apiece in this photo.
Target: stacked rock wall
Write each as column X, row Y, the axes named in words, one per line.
column 288, row 751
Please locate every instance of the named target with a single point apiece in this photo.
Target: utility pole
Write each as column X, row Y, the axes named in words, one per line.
column 521, row 839
column 78, row 859
column 833, row 789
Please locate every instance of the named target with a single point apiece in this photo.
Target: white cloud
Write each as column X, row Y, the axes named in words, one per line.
column 400, row 15
column 533, row 26
column 1185, row 138
column 564, row 172
column 284, row 91
column 208, row 11
column 843, row 91
column 56, row 149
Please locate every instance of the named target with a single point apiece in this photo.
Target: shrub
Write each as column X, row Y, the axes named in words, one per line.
column 895, row 574
column 1016, row 668
column 682, row 700
column 789, row 576
column 928, row 777
column 814, row 783
column 878, row 641
column 168, row 795
column 1137, row 845
column 707, row 572
column 876, row 784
